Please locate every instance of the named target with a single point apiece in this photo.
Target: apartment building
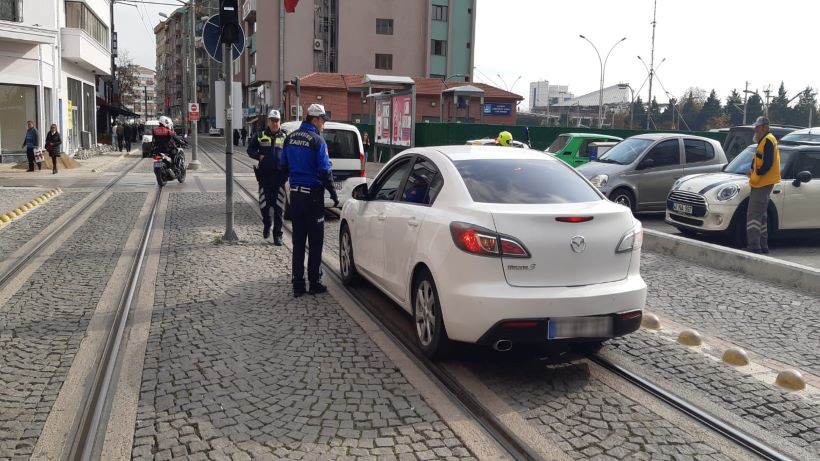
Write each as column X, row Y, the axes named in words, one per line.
column 428, row 38
column 54, row 54
column 141, row 99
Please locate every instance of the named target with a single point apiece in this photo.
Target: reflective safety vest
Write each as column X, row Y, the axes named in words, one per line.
column 264, row 139
column 773, row 175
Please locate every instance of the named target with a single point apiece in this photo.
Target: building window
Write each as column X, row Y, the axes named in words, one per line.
column 439, row 13
column 10, row 10
column 384, row 26
column 438, row 47
column 384, row 61
column 19, row 104
column 79, row 16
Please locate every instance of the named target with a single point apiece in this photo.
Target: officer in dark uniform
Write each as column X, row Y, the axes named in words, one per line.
column 266, row 146
column 306, row 159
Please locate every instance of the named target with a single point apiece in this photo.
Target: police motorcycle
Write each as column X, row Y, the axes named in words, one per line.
column 167, row 168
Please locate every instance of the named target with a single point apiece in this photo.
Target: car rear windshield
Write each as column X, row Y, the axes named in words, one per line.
column 342, row 143
column 743, row 162
column 559, row 143
column 524, row 181
column 626, row 151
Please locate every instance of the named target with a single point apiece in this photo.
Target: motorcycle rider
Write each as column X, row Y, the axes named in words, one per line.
column 266, row 146
column 163, row 137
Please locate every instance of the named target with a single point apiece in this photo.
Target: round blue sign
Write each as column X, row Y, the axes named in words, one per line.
column 210, row 38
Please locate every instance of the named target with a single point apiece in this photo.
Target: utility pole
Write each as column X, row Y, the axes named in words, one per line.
column 145, row 103
column 651, row 65
column 229, row 19
column 194, row 164
column 745, row 100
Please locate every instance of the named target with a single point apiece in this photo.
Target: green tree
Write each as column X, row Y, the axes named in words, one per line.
column 711, row 110
column 800, row 113
column 778, row 107
column 655, row 110
column 734, row 108
column 688, row 112
column 754, row 108
column 639, row 112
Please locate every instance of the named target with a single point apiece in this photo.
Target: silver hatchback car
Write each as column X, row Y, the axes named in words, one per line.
column 639, row 171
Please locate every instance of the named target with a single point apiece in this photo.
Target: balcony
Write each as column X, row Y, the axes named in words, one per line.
column 249, row 10
column 84, row 51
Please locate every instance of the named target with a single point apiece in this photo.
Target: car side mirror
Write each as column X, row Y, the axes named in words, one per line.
column 646, row 163
column 360, row 192
column 803, row 176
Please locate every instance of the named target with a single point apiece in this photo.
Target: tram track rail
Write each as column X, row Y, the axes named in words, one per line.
column 515, row 447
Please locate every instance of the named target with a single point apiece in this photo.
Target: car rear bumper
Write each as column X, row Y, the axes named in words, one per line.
column 474, row 312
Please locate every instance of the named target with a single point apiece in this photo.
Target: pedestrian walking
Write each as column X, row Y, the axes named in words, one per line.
column 244, row 134
column 764, row 174
column 235, row 137
column 366, row 144
column 266, row 146
column 127, row 134
column 53, row 144
column 306, row 160
column 31, row 141
column 120, row 136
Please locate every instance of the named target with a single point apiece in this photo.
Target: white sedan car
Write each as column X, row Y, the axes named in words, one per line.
column 496, row 247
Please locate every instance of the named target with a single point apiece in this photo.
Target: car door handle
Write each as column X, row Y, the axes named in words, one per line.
column 413, row 222
column 381, row 217
column 776, row 191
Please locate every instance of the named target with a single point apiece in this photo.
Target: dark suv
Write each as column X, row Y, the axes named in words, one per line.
column 741, row 136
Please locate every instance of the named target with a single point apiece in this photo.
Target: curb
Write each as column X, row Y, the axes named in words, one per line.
column 755, row 266
column 28, row 206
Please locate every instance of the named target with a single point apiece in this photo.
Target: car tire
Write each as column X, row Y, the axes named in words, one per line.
column 623, row 197
column 427, row 319
column 347, row 265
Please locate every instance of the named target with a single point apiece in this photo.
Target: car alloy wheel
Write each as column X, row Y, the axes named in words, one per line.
column 623, row 197
column 350, row 275
column 430, row 331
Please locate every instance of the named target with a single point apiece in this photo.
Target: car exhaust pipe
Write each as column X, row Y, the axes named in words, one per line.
column 503, row 345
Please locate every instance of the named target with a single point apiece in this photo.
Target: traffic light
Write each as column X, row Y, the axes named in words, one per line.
column 295, row 82
column 229, row 20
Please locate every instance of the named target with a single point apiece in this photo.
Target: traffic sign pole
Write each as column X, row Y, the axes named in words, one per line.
column 230, row 234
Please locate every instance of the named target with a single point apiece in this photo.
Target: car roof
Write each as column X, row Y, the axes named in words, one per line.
column 328, row 125
column 475, row 152
column 591, row 135
column 813, row 130
column 655, row 136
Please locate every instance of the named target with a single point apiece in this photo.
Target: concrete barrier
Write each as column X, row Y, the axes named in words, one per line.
column 756, row 266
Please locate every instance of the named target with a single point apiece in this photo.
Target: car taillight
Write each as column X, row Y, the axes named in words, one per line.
column 574, row 219
column 364, row 164
column 484, row 242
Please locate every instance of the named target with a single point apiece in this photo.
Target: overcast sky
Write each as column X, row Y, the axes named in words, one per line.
column 710, row 44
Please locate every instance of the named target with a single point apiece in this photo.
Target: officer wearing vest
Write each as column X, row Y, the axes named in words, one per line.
column 306, row 159
column 266, row 147
column 764, row 174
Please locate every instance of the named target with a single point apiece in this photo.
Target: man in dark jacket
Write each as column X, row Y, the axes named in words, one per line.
column 30, row 143
column 127, row 130
column 266, row 146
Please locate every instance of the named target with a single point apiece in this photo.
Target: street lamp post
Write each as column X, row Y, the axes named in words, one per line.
column 603, row 69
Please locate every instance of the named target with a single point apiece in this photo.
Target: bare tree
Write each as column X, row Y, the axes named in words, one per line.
column 127, row 78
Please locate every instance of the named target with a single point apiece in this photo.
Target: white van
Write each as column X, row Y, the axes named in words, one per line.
column 344, row 146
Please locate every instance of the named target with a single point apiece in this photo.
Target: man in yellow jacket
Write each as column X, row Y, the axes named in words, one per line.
column 764, row 174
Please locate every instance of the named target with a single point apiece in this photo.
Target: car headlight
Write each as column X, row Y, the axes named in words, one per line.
column 727, row 193
column 599, row 180
column 677, row 183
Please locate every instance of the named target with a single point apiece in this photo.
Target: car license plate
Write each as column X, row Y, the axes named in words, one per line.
column 338, row 185
column 682, row 208
column 579, row 327
column 158, row 165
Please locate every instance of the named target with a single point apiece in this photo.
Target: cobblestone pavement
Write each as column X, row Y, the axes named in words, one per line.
column 787, row 415
column 771, row 320
column 236, row 368
column 42, row 325
column 18, row 232
column 586, row 418
column 11, row 198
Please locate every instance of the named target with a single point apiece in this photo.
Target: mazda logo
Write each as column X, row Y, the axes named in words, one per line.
column 578, row 244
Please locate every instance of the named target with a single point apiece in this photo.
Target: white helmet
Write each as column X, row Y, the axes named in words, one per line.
column 166, row 122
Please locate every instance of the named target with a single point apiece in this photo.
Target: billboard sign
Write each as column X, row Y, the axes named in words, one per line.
column 383, row 121
column 497, row 109
column 402, row 126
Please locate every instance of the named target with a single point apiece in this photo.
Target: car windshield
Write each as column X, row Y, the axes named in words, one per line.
column 342, row 143
column 524, row 181
column 743, row 162
column 626, row 151
column 801, row 137
column 559, row 143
